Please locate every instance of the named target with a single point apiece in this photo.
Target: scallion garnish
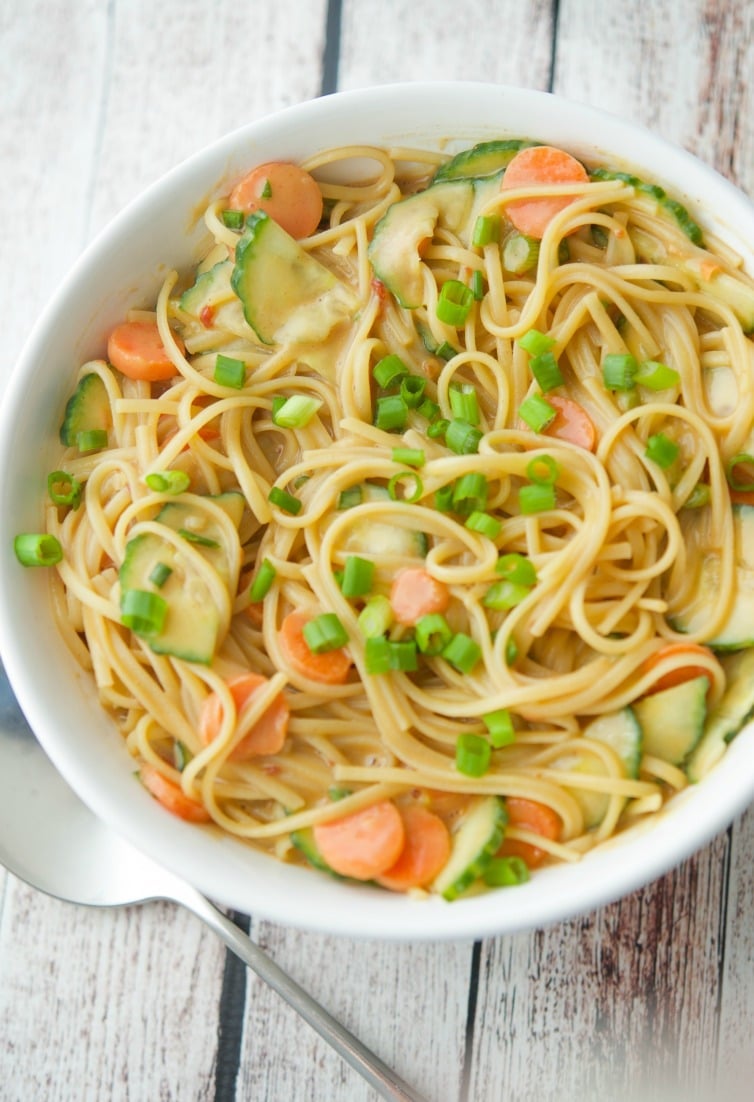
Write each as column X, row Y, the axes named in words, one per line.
column 743, row 459
column 262, row 583
column 520, row 253
column 454, row 303
column 376, row 616
column 266, row 192
column 285, row 501
column 410, row 457
column 160, row 573
column 297, row 411
column 470, row 493
column 91, row 440
column 382, row 655
column 391, row 413
column 446, row 351
column 516, row 568
column 536, row 498
column 619, row 371
column 389, row 370
column 433, row 633
column 462, row 652
column 500, row 727
column 535, row 342
column 197, row 538
column 700, row 496
column 504, row 595
column 437, row 428
column 350, row 497
column 485, row 524
column 168, row 482
column 405, row 479
column 656, row 376
column 143, row 612
column 229, row 371
column 324, row 633
column 545, row 370
column 358, row 577
column 64, row 489
column 37, row 549
column 663, row 451
column 486, row 230
column 464, row 403
column 233, row 219
column 506, row 872
column 543, row 470
column 181, row 755
column 511, row 652
column 473, row 754
column 477, row 285
column 463, row 438
column 444, row 499
column 536, row 412
column 412, row 390
column 428, row 409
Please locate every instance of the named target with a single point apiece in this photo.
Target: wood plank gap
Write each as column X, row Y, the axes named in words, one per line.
column 331, row 55
column 101, row 124
column 230, row 1018
column 468, row 1052
column 554, row 45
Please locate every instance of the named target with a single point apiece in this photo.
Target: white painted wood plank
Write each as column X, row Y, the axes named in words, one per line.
column 505, row 41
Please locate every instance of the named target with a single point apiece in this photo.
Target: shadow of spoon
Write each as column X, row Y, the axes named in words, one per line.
column 51, row 840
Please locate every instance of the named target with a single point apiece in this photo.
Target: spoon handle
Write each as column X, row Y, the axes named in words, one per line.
column 384, row 1080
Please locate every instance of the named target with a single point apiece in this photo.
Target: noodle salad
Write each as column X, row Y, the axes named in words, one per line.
column 410, row 536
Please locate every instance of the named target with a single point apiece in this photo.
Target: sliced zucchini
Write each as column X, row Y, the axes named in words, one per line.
column 738, row 631
column 483, row 159
column 728, row 717
column 394, row 249
column 304, row 842
column 622, row 732
column 286, row 294
column 672, row 720
column 199, row 526
column 474, row 844
column 88, row 408
column 368, row 536
column 672, row 206
column 210, row 289
column 593, row 805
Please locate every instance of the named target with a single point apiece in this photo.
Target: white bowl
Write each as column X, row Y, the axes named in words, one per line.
column 124, row 267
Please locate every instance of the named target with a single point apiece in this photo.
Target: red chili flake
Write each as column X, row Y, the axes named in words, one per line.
column 207, row 316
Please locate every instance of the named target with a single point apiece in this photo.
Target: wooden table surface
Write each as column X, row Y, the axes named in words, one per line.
column 650, row 998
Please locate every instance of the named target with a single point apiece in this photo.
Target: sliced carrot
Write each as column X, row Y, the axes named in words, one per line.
column 425, row 851
column 533, row 816
column 538, row 166
column 136, row 349
column 415, row 593
column 171, row 796
column 289, row 194
column 267, row 736
column 571, row 423
column 364, row 844
column 330, row 667
column 686, row 672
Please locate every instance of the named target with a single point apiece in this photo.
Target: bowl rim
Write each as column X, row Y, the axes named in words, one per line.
column 601, row 877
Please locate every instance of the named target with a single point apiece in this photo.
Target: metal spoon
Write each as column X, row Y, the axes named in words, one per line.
column 50, row 839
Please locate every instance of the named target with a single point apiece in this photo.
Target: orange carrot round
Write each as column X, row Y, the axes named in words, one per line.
column 533, row 816
column 364, row 844
column 171, row 796
column 687, row 672
column 425, row 851
column 135, row 348
column 289, row 194
column 267, row 736
column 329, row 668
column 538, row 166
column 415, row 593
column 571, row 423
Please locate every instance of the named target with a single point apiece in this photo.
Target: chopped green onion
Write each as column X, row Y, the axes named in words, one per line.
column 324, row 633
column 504, row 595
column 37, row 549
column 520, row 253
column 266, row 192
column 500, row 727
column 358, row 576
column 454, row 303
column 409, row 496
column 411, row 457
column 403, row 655
column 445, row 351
column 197, row 538
column 599, row 235
column 663, row 451
column 511, row 652
column 473, row 754
column 536, row 498
column 470, row 493
column 285, row 501
column 477, row 285
column 506, row 872
column 536, row 412
column 168, row 482
column 543, row 470
column 382, row 655
column 64, row 489
column 700, row 496
column 262, row 583
column 433, row 633
column 486, row 230
column 412, row 390
column 429, row 409
column 142, row 611
column 278, row 401
column 516, row 568
column 91, row 440
column 229, row 371
column 545, row 370
column 297, row 411
column 619, row 371
column 463, row 438
column 389, row 370
column 391, row 413
column 233, row 219
column 181, row 755
column 444, row 499
column 438, row 428
column 350, row 497
column 656, row 376
column 564, row 251
column 376, row 616
column 535, row 342
column 160, row 573
column 462, row 652
column 743, row 459
column 485, row 524
column 464, row 403
column 338, row 792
